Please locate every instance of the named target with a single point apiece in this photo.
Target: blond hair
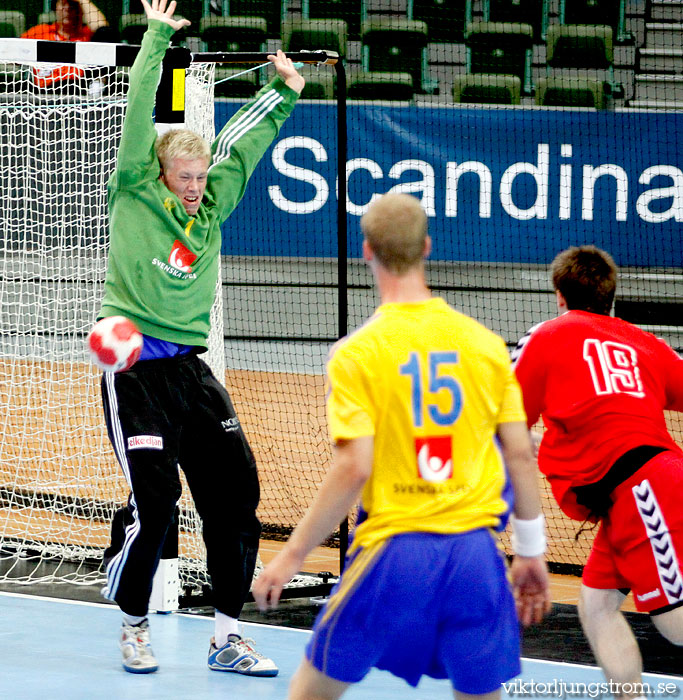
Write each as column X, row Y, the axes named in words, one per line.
column 395, row 227
column 181, row 143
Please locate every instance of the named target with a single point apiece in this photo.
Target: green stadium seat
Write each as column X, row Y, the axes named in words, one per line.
column 12, row 23
column 610, row 12
column 320, row 85
column 132, row 27
column 314, row 34
column 216, row 7
column 244, row 86
column 271, row 10
column 47, row 17
column 377, row 85
column 533, row 12
column 481, row 88
column 580, row 46
column 446, row 19
column 29, row 8
column 393, row 44
column 561, row 91
column 501, row 48
column 190, row 10
column 351, row 11
column 233, row 33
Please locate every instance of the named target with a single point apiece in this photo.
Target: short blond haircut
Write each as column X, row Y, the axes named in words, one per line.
column 181, row 143
column 395, row 227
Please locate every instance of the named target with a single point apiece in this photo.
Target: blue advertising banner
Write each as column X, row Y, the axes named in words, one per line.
column 499, row 185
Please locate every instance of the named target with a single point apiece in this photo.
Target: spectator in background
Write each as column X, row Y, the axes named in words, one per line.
column 167, row 199
column 77, row 20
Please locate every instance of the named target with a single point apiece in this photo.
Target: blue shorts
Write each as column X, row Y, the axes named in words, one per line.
column 422, row 604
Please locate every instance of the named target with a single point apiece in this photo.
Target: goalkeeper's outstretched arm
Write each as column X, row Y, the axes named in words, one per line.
column 244, row 140
column 136, row 158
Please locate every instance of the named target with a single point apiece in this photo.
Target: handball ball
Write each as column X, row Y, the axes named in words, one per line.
column 114, row 344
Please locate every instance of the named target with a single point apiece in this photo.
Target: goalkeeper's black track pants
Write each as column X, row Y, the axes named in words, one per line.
column 162, row 414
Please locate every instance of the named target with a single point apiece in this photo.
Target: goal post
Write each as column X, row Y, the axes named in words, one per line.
column 59, row 481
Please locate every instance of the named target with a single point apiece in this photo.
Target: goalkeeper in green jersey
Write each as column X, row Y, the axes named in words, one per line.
column 168, row 197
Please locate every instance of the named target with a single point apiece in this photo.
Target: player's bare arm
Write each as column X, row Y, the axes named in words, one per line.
column 519, row 459
column 286, row 70
column 529, row 574
column 158, row 10
column 339, row 493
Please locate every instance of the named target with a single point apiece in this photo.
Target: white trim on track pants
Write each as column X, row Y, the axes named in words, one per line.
column 161, row 415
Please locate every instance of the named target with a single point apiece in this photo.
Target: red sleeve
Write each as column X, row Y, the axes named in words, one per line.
column 530, row 375
column 672, row 370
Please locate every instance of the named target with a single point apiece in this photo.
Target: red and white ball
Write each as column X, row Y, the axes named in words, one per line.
column 115, row 344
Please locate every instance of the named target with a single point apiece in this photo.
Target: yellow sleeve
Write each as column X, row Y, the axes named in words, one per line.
column 350, row 411
column 512, row 405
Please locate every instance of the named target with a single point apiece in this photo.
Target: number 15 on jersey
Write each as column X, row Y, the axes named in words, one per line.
column 439, row 380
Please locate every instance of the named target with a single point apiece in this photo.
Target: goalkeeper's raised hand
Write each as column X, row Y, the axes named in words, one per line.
column 157, row 10
column 286, row 70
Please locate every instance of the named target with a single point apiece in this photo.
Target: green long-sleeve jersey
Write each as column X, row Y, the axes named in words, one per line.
column 163, row 263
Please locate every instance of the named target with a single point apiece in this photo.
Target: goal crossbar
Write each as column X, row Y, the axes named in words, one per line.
column 95, row 53
column 169, row 109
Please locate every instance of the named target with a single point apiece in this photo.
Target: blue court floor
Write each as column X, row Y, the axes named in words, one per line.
column 52, row 649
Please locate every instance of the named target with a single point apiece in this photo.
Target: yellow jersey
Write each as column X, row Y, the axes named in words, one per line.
column 431, row 385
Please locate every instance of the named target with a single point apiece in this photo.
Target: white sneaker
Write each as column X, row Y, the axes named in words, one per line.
column 239, row 656
column 135, row 646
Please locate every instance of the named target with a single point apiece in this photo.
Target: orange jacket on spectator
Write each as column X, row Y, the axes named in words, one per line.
column 49, row 73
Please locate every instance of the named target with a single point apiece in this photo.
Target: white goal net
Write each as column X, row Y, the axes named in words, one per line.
column 59, row 480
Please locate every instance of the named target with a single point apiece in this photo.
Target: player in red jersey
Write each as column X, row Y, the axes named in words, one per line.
column 601, row 386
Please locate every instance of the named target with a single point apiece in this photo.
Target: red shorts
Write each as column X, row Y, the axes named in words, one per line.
column 640, row 543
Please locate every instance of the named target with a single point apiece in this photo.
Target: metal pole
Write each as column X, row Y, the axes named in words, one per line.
column 328, row 58
column 342, row 250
